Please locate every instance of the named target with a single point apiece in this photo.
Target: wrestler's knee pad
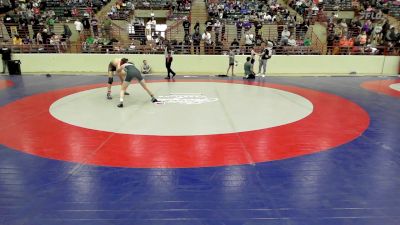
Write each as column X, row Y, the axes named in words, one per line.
column 110, row 80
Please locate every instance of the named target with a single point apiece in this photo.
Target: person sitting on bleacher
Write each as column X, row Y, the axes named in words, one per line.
column 17, row 40
column 285, row 36
column 292, row 41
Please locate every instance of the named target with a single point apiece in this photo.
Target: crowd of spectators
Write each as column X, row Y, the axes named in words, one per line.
column 174, row 5
column 370, row 8
column 179, row 9
column 42, row 19
column 246, row 11
column 358, row 36
column 121, row 10
column 7, row 5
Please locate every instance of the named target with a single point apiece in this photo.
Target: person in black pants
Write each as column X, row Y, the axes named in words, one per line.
column 5, row 56
column 186, row 26
column 196, row 38
column 168, row 62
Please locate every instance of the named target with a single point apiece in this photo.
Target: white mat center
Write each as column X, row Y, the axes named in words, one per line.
column 191, row 108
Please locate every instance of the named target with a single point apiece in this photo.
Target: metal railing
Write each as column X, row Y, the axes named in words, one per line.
column 152, row 48
column 363, row 50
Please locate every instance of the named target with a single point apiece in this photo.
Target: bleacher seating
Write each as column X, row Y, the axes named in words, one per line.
column 343, row 5
column 61, row 8
column 151, row 4
column 394, row 11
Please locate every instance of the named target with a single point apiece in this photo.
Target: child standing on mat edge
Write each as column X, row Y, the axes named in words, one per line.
column 232, row 61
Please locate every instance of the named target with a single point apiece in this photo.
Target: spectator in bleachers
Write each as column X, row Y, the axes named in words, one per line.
column 248, row 40
column 217, row 30
column 223, row 28
column 67, row 14
column 186, row 25
column 17, row 40
column 206, row 37
column 209, row 23
column 95, row 26
column 257, row 26
column 247, row 25
column 63, row 43
column 292, row 41
column 235, row 44
column 285, row 36
column 86, row 25
column 356, row 24
column 50, row 23
column 153, row 24
column 315, row 10
column 303, row 28
column 45, row 37
column 39, row 38
column 147, row 30
column 75, row 12
column 67, row 31
column 307, row 42
column 55, row 43
column 187, row 40
column 343, row 26
column 239, row 26
column 22, row 27
column 377, row 27
column 26, row 40
column 367, row 27
column 197, row 27
column 391, row 35
column 362, row 39
column 196, row 38
column 78, row 26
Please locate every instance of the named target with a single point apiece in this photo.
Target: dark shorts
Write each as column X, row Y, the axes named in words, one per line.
column 133, row 73
column 111, row 67
column 231, row 64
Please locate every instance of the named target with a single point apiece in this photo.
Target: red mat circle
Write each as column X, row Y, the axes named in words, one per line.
column 27, row 126
column 382, row 86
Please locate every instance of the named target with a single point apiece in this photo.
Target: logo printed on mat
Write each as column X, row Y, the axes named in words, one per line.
column 186, row 98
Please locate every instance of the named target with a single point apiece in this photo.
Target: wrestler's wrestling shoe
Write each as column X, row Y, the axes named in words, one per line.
column 154, row 100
